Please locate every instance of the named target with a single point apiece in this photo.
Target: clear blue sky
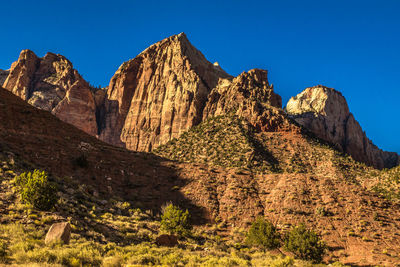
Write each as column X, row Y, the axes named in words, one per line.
column 353, row 46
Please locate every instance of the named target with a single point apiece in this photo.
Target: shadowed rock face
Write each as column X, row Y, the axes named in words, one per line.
column 3, row 76
column 250, row 96
column 324, row 111
column 158, row 95
column 51, row 83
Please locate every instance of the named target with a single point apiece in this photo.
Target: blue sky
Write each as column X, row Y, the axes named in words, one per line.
column 352, row 46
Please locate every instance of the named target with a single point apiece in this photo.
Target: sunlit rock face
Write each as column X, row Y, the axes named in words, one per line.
column 51, row 83
column 324, row 111
column 158, row 95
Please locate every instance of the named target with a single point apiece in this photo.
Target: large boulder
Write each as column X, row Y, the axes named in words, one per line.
column 59, row 232
column 324, row 111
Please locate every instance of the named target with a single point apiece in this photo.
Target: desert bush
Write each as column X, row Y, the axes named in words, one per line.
column 305, row 244
column 263, row 233
column 36, row 189
column 3, row 251
column 175, row 220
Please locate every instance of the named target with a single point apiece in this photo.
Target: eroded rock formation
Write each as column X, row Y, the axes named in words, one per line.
column 51, row 83
column 324, row 111
column 158, row 95
column 249, row 95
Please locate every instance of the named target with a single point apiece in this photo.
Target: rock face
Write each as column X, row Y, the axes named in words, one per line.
column 59, row 232
column 51, row 83
column 324, row 111
column 249, row 95
column 3, row 76
column 158, row 95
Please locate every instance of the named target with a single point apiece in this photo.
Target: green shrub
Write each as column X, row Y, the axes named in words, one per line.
column 175, row 220
column 305, row 244
column 3, row 251
column 263, row 233
column 35, row 189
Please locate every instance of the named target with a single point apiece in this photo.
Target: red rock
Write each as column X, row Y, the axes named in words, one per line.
column 324, row 111
column 158, row 95
column 51, row 83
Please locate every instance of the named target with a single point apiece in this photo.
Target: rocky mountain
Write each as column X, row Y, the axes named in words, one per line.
column 51, row 83
column 324, row 111
column 171, row 87
column 158, row 95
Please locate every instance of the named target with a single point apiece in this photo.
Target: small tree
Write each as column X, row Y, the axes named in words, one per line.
column 35, row 189
column 305, row 244
column 263, row 233
column 175, row 220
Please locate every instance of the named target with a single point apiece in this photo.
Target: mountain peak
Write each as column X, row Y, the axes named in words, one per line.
column 325, row 112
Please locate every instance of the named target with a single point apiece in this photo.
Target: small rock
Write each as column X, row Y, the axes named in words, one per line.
column 167, row 240
column 59, row 232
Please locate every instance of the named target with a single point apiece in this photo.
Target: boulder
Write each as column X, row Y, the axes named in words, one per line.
column 59, row 232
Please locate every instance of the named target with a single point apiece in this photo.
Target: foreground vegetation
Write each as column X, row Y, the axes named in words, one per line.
column 111, row 233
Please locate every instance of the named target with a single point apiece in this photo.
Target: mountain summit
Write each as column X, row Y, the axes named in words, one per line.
column 158, row 95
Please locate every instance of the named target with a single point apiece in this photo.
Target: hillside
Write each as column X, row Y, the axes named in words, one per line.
column 328, row 192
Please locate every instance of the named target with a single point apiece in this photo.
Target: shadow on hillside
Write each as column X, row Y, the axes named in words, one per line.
column 47, row 143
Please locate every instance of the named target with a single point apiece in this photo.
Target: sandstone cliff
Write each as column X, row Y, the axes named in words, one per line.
column 51, row 83
column 250, row 96
column 324, row 111
column 158, row 95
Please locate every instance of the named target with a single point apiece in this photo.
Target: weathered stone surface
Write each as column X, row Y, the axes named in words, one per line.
column 59, row 232
column 3, row 76
column 167, row 240
column 158, row 95
column 324, row 111
column 51, row 83
column 249, row 95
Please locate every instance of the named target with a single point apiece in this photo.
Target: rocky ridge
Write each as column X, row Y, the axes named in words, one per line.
column 51, row 83
column 171, row 87
column 324, row 111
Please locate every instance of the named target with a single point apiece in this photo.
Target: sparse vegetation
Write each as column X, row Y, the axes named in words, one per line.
column 305, row 243
column 35, row 189
column 176, row 221
column 263, row 233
